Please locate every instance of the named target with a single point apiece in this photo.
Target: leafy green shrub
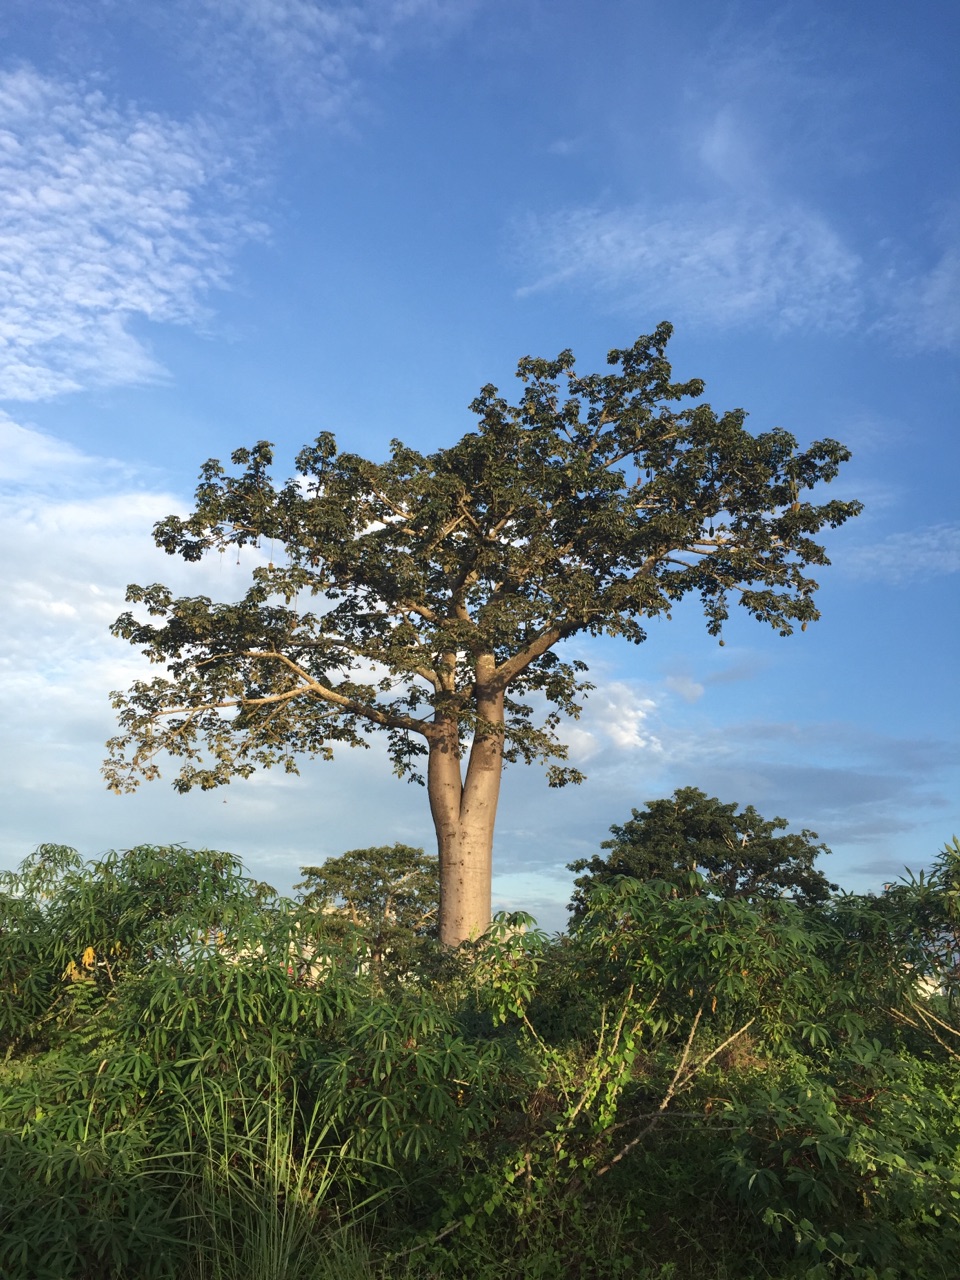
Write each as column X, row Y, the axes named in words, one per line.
column 856, row 1165
column 86, row 1208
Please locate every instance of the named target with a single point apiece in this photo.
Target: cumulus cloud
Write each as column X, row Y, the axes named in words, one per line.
column 616, row 715
column 722, row 264
column 853, row 785
column 108, row 216
column 80, row 526
column 81, row 532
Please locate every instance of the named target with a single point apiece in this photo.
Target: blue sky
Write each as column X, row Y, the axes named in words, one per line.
column 224, row 220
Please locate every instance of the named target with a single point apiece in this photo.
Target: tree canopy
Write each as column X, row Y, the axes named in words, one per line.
column 734, row 854
column 424, row 597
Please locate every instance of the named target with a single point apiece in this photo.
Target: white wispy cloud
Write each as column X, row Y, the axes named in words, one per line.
column 935, row 318
column 250, row 58
column 28, row 456
column 922, row 307
column 685, row 687
column 732, row 263
column 902, row 558
column 722, row 263
column 108, row 216
column 295, row 29
column 771, row 138
column 306, row 54
column 764, row 110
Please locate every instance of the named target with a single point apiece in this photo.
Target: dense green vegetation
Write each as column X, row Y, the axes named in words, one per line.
column 201, row 1079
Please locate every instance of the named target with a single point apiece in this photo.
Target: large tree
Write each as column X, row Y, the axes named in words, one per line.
column 425, row 596
column 733, row 853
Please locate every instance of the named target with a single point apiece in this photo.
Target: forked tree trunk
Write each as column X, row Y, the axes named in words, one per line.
column 464, row 811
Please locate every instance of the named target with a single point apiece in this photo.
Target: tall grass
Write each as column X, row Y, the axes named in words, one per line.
column 257, row 1180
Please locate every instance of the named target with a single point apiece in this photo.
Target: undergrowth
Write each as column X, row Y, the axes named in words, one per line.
column 199, row 1083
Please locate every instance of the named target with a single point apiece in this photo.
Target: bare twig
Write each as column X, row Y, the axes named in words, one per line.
column 671, row 1090
column 698, row 1066
column 681, row 1078
column 924, row 1025
column 929, row 1016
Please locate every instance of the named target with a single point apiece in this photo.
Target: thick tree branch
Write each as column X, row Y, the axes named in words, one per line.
column 377, row 715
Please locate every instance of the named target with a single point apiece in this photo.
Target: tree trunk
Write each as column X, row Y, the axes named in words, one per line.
column 464, row 812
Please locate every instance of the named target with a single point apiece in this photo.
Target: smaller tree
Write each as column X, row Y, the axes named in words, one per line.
column 389, row 895
column 735, row 855
column 927, row 908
